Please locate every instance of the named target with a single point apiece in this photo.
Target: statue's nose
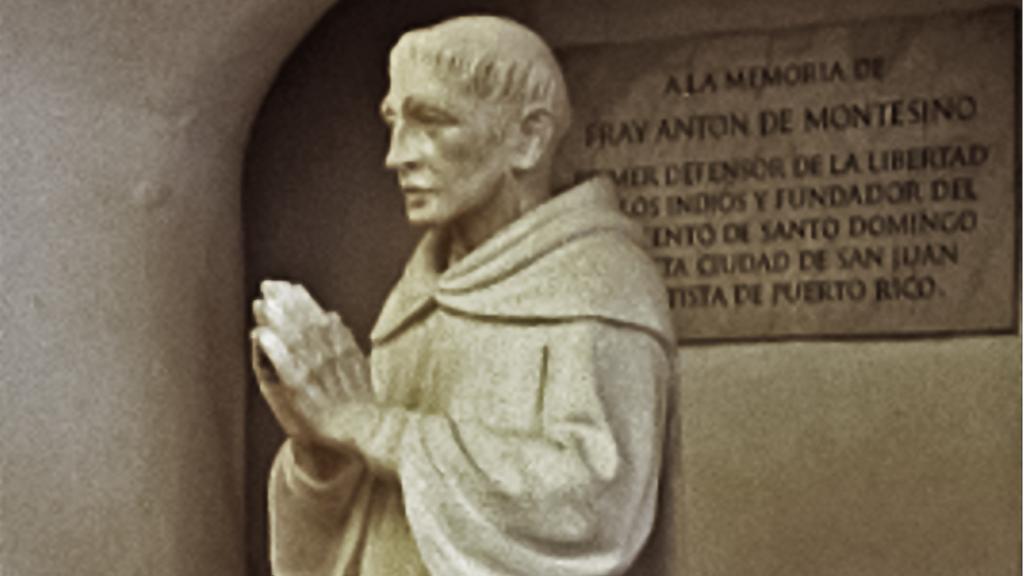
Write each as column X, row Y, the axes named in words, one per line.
column 402, row 153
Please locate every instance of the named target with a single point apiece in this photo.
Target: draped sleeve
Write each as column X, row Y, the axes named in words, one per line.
column 316, row 526
column 574, row 497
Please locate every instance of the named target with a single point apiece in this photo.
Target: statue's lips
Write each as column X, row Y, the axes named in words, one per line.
column 416, row 197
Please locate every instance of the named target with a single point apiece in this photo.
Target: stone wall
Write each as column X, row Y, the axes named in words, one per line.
column 121, row 295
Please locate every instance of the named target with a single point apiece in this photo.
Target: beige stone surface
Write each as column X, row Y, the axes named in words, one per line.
column 123, row 388
column 866, row 458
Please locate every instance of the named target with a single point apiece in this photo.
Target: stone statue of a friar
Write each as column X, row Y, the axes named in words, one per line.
column 509, row 419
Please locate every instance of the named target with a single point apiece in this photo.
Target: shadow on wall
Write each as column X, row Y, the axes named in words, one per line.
column 319, row 207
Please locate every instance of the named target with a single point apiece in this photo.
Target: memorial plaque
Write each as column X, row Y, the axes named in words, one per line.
column 838, row 181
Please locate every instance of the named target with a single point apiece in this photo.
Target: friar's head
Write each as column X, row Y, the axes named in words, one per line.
column 476, row 107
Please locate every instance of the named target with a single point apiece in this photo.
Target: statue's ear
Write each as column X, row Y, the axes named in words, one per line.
column 536, row 130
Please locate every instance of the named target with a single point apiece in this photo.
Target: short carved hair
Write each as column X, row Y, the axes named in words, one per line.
column 494, row 59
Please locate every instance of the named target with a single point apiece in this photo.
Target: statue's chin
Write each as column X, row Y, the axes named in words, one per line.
column 421, row 210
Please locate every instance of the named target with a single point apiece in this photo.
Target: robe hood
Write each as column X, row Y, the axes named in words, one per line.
column 573, row 257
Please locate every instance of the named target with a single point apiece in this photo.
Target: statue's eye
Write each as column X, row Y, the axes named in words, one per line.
column 433, row 116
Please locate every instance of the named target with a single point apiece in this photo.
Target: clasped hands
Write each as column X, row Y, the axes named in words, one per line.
column 310, row 369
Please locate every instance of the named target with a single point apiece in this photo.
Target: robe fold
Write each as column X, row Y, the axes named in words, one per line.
column 518, row 412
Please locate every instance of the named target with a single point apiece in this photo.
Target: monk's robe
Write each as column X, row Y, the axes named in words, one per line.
column 516, row 417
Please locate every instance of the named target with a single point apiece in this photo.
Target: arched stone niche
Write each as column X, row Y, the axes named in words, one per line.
column 797, row 458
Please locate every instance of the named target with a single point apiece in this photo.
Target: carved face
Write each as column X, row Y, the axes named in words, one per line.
column 445, row 147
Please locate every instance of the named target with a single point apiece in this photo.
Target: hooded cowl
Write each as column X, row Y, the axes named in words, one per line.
column 574, row 257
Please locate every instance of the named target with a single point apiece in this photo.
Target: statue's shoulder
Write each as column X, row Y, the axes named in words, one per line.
column 601, row 274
